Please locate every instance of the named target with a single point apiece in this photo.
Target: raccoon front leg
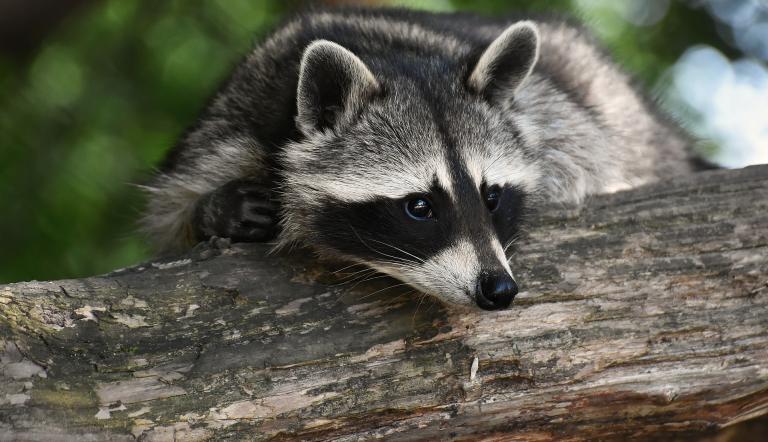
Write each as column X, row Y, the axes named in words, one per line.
column 243, row 210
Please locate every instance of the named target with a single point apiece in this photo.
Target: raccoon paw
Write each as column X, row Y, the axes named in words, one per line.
column 242, row 210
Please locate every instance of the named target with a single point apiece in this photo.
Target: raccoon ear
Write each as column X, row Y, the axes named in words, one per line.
column 507, row 61
column 333, row 85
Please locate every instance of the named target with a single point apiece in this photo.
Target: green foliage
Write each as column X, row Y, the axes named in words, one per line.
column 85, row 120
column 93, row 111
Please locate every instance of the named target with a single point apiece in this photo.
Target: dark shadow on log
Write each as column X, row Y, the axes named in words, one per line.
column 641, row 313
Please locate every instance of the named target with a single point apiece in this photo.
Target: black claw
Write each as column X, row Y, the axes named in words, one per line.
column 242, row 210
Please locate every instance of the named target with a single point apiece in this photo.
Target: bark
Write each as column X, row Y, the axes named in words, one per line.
column 641, row 313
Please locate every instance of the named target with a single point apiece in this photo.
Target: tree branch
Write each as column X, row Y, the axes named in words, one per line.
column 641, row 312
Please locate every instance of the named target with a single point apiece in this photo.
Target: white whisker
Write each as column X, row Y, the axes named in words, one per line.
column 421, row 260
column 386, row 288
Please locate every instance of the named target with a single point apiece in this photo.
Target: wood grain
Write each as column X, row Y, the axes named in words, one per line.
column 641, row 313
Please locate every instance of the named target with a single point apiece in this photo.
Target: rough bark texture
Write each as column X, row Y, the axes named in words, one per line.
column 642, row 313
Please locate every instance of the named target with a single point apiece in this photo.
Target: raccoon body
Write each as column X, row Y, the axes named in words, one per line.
column 411, row 142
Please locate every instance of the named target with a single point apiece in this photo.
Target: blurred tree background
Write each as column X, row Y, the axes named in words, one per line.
column 93, row 93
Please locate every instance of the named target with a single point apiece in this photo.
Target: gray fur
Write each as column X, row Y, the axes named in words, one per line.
column 523, row 38
column 564, row 124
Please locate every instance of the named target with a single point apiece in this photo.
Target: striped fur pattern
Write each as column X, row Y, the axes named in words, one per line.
column 345, row 116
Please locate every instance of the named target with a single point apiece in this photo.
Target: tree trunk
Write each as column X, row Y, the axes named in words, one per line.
column 641, row 313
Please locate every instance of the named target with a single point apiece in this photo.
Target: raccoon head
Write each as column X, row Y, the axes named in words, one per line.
column 419, row 170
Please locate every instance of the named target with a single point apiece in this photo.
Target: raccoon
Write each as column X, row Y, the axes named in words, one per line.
column 411, row 142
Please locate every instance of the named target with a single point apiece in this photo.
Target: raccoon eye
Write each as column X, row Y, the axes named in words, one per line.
column 492, row 197
column 419, row 209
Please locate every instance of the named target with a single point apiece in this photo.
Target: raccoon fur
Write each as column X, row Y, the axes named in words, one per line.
column 411, row 142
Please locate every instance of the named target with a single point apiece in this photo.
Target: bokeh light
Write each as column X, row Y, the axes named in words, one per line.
column 730, row 100
column 721, row 101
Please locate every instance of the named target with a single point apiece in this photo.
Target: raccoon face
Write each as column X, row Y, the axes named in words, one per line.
column 422, row 177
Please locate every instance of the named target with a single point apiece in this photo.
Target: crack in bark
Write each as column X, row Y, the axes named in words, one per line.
column 639, row 315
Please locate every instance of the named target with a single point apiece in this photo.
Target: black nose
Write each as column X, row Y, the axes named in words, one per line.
column 495, row 291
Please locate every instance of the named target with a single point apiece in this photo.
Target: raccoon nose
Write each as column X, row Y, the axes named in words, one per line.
column 495, row 291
